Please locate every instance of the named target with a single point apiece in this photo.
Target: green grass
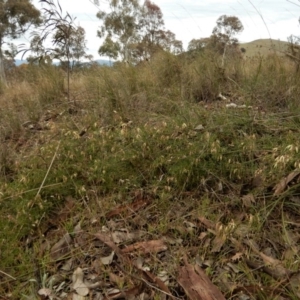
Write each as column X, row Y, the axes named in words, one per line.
column 131, row 136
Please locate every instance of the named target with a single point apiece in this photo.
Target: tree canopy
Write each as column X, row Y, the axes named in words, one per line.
column 134, row 32
column 223, row 38
column 68, row 40
column 16, row 17
column 118, row 28
column 224, row 33
column 198, row 44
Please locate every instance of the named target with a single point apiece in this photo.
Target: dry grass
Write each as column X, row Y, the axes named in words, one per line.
column 125, row 154
column 265, row 47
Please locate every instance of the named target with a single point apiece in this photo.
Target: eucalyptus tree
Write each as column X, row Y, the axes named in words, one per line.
column 152, row 35
column 198, row 44
column 67, row 39
column 119, row 27
column 16, row 18
column 134, row 32
column 77, row 47
column 223, row 35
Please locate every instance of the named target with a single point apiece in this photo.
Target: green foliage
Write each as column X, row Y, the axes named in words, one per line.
column 198, row 44
column 74, row 50
column 222, row 40
column 16, row 16
column 119, row 26
column 152, row 36
column 67, row 39
column 227, row 27
column 133, row 32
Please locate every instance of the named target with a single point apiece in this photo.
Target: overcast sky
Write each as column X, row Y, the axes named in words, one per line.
column 190, row 19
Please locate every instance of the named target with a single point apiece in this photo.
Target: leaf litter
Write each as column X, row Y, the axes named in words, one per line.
column 123, row 262
column 195, row 257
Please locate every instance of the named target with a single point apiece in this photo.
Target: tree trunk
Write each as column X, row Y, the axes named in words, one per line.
column 2, row 71
column 224, row 55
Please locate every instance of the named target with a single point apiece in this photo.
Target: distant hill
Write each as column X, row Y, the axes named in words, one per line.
column 261, row 47
column 104, row 62
column 264, row 47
